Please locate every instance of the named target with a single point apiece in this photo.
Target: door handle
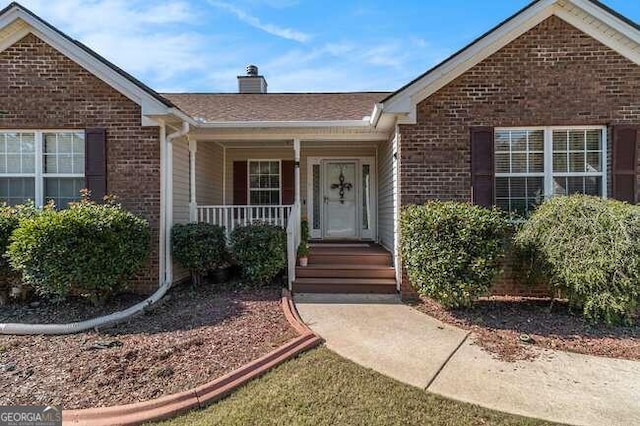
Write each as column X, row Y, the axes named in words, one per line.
column 326, row 200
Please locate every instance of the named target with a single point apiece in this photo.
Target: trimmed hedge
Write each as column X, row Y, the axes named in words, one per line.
column 452, row 250
column 9, row 219
column 199, row 247
column 260, row 250
column 589, row 249
column 88, row 249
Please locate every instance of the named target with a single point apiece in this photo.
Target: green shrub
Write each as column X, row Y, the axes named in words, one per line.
column 591, row 249
column 260, row 250
column 199, row 247
column 88, row 249
column 9, row 218
column 452, row 250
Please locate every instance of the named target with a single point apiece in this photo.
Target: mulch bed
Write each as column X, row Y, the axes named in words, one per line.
column 191, row 337
column 499, row 323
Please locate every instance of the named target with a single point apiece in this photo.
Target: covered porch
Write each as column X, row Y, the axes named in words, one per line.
column 334, row 184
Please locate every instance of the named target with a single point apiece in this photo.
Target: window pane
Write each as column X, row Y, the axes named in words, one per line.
column 535, row 188
column 559, row 186
column 519, row 163
column 560, row 163
column 275, row 168
column 593, row 162
column 62, row 190
column 503, row 163
column 264, row 182
column 519, row 195
column 519, row 141
column 17, row 190
column 576, row 140
column 502, row 141
column 17, row 153
column 518, row 187
column 502, row 187
column 536, row 140
column 63, row 153
column 594, row 140
column 576, row 162
column 13, row 163
column 575, row 185
column 536, row 163
column 50, row 164
column 559, row 141
column 593, row 186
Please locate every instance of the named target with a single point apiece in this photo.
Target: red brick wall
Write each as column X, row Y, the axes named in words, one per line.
column 552, row 75
column 40, row 88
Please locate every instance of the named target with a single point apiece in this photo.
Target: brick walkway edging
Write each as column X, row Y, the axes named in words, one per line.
column 171, row 405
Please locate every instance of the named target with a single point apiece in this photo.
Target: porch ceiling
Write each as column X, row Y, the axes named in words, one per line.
column 276, row 134
column 306, row 144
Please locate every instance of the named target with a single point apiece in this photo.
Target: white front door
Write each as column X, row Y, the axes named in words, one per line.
column 340, row 199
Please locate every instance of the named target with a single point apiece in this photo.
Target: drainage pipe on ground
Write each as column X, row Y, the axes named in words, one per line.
column 100, row 322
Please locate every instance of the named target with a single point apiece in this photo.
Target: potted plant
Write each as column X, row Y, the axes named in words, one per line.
column 303, row 248
column 303, row 253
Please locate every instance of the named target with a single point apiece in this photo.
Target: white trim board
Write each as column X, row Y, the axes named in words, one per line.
column 585, row 15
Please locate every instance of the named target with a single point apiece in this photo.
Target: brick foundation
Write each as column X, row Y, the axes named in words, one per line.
column 42, row 89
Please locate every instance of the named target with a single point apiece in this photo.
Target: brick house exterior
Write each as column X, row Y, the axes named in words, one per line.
column 555, row 66
column 554, row 75
column 42, row 89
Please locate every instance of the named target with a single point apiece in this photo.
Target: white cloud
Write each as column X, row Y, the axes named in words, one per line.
column 145, row 39
column 171, row 46
column 278, row 31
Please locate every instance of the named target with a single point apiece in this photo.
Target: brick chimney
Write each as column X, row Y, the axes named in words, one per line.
column 252, row 82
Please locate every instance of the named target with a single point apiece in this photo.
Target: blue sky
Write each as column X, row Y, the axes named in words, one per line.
column 299, row 45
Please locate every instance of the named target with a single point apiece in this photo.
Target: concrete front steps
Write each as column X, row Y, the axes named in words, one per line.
column 346, row 268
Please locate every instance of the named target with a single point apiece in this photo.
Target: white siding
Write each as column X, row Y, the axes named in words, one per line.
column 180, row 194
column 386, row 185
column 209, row 171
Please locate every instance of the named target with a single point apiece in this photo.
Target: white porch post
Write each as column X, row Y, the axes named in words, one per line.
column 193, row 205
column 296, row 153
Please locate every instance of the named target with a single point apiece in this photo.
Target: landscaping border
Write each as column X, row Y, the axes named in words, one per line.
column 171, row 405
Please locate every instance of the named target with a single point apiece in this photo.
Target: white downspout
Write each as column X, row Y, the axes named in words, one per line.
column 169, row 198
column 193, row 204
column 166, row 219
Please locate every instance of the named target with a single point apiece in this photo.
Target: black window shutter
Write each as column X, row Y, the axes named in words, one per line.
column 240, row 183
column 95, row 163
column 288, row 182
column 482, row 166
column 625, row 141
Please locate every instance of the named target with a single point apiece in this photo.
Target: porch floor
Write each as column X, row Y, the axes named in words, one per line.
column 346, row 267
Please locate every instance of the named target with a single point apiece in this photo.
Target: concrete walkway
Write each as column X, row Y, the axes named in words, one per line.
column 385, row 335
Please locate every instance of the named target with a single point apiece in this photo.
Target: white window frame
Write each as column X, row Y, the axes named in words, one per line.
column 548, row 157
column 39, row 175
column 249, row 189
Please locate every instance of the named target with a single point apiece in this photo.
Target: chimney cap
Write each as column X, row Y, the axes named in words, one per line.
column 252, row 70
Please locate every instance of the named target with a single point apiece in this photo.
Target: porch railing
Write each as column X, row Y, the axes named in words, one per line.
column 293, row 241
column 231, row 217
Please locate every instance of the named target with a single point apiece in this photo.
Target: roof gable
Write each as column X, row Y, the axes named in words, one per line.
column 589, row 16
column 16, row 22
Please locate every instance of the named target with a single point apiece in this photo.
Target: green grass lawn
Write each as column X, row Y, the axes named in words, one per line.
column 322, row 388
